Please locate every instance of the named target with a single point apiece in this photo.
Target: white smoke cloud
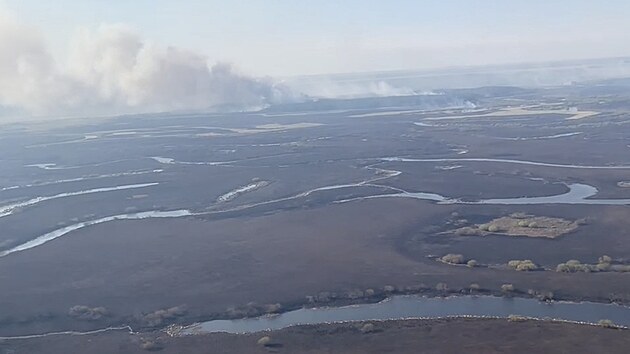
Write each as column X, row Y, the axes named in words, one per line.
column 113, row 70
column 324, row 87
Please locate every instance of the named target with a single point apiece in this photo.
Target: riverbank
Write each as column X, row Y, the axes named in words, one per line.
column 449, row 335
column 384, row 304
column 408, row 307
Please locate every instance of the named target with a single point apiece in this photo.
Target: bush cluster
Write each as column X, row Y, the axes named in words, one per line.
column 367, row 328
column 441, row 287
column 453, row 258
column 523, row 265
column 541, row 295
column 507, row 288
column 151, row 345
column 83, row 312
column 574, row 266
column 158, row 317
column 607, row 324
column 517, row 318
column 526, row 223
column 604, row 265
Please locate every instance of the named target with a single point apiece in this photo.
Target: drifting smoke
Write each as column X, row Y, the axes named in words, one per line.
column 112, row 70
column 329, row 88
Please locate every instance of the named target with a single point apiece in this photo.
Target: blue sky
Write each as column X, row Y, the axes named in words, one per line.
column 282, row 37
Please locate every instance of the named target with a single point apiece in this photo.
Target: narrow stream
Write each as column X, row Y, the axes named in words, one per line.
column 412, row 306
column 518, row 162
column 60, row 232
column 10, row 208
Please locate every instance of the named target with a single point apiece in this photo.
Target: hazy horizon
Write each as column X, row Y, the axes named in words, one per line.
column 84, row 58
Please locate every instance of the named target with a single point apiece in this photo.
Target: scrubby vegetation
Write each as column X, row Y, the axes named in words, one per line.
column 275, row 308
column 493, row 228
column 151, row 345
column 356, row 295
column 253, row 309
column 468, row 231
column 573, row 266
column 605, row 264
column 623, row 268
column 606, row 323
column 541, row 295
column 507, row 288
column 87, row 313
column 453, row 258
column 389, row 289
column 264, row 341
column 159, row 317
column 269, row 343
column 367, row 328
column 523, row 265
column 521, row 224
column 517, row 318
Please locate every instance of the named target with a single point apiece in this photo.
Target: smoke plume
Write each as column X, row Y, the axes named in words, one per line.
column 113, row 70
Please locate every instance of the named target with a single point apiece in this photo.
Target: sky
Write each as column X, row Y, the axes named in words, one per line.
column 82, row 57
column 288, row 37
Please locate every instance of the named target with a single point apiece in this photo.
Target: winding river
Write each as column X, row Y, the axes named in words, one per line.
column 397, row 307
column 578, row 194
column 413, row 306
